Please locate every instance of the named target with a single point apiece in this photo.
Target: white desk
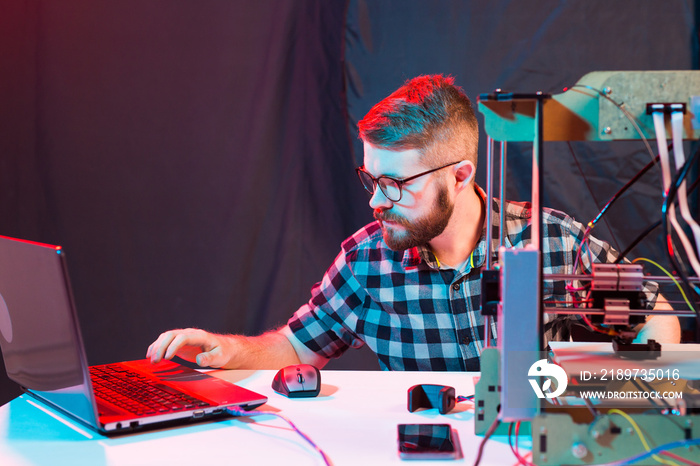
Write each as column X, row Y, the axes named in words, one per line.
column 353, row 420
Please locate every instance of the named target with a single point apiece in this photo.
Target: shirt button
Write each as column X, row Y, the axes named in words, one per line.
column 466, row 340
column 455, row 287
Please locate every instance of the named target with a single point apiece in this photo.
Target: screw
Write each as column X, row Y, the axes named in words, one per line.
column 579, row 450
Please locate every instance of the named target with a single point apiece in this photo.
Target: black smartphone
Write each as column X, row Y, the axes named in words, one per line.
column 428, row 441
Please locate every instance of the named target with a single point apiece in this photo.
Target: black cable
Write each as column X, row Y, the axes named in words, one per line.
column 488, row 434
column 651, row 228
column 627, row 185
column 616, row 196
column 694, row 292
column 510, row 438
column 590, row 190
column 695, row 183
column 636, row 241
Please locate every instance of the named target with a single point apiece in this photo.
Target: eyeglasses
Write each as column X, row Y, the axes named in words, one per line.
column 390, row 187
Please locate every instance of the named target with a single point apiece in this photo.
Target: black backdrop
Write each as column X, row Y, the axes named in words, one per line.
column 195, row 158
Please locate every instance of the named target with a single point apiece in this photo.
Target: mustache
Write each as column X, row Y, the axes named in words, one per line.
column 385, row 215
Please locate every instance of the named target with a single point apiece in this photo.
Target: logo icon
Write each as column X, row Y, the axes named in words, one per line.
column 542, row 368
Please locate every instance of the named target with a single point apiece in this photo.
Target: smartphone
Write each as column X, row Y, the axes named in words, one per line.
column 428, row 442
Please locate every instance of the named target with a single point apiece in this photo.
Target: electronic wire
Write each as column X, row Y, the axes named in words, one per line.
column 591, row 192
column 665, row 210
column 641, row 436
column 239, row 412
column 514, row 447
column 651, row 228
column 617, row 195
column 637, row 240
column 680, row 288
column 622, row 190
column 624, row 111
column 679, row 158
column 669, row 210
column 592, row 223
column 653, row 451
column 488, row 434
column 679, row 458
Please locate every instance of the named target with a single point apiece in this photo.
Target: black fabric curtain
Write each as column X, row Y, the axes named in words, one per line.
column 195, row 159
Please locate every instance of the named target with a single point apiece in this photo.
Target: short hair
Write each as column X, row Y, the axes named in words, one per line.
column 425, row 112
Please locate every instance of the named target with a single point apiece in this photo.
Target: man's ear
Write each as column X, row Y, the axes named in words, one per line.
column 465, row 173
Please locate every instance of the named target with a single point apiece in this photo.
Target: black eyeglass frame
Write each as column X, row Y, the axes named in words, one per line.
column 399, row 181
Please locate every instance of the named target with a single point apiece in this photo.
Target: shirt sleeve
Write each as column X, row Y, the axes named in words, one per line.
column 306, row 356
column 327, row 324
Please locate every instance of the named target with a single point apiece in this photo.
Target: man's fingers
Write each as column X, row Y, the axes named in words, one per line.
column 157, row 349
column 213, row 358
column 169, row 343
column 179, row 341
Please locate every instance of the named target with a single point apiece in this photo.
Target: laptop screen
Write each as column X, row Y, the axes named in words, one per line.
column 39, row 335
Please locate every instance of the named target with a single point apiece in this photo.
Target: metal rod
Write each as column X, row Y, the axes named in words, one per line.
column 489, row 228
column 537, row 169
column 502, row 195
column 633, row 312
column 489, row 199
column 537, row 163
column 584, row 277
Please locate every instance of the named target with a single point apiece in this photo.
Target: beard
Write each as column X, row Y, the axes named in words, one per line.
column 419, row 231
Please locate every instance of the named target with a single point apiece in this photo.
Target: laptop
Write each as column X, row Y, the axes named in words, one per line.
column 44, row 353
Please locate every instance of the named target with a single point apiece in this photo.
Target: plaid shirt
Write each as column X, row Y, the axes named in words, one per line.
column 417, row 316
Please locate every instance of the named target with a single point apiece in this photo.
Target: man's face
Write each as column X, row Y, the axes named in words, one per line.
column 425, row 207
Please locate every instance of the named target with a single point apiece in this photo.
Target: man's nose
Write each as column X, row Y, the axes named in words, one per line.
column 379, row 200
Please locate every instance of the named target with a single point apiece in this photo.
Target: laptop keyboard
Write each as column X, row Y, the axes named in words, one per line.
column 138, row 394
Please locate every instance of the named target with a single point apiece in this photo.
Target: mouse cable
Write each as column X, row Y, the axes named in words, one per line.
column 239, row 412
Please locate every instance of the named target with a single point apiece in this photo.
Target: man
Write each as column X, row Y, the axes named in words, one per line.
column 408, row 285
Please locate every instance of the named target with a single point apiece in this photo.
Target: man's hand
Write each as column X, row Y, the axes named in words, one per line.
column 662, row 328
column 271, row 350
column 194, row 345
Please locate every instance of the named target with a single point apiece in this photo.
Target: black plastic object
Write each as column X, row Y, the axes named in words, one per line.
column 626, row 349
column 431, row 396
column 299, row 381
column 490, row 292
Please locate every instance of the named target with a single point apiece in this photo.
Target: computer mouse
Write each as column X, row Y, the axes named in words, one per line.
column 298, row 381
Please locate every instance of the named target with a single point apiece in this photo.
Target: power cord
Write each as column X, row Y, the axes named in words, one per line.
column 239, row 412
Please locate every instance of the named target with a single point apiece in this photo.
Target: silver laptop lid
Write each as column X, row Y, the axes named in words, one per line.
column 39, row 334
